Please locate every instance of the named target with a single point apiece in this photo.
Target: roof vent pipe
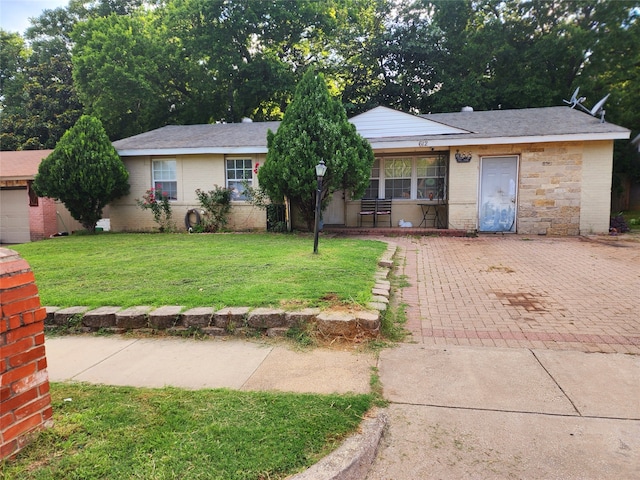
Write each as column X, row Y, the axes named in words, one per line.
column 467, row 109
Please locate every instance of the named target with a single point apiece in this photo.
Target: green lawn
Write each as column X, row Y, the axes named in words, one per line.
column 103, row 432
column 201, row 270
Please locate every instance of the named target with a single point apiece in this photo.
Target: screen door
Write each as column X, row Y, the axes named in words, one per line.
column 498, row 194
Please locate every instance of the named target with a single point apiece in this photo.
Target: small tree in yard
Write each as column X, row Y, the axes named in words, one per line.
column 314, row 128
column 84, row 172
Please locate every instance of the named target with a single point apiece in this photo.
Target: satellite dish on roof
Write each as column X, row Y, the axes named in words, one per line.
column 575, row 100
column 597, row 109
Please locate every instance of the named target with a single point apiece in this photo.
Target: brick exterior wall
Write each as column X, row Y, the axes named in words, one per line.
column 192, row 172
column 43, row 221
column 24, row 389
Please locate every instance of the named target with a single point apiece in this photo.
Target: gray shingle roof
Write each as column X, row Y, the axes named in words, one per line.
column 200, row 136
column 527, row 123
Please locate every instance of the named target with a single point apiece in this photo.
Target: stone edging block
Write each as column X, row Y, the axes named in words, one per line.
column 102, row 317
column 133, row 317
column 230, row 317
column 64, row 315
column 197, row 317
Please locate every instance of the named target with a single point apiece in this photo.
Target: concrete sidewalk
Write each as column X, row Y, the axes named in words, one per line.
column 210, row 363
column 494, row 413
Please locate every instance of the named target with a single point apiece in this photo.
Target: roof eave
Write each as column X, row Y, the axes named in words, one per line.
column 141, row 152
column 457, row 141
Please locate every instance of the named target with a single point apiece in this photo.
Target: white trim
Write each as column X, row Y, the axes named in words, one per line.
column 466, row 141
column 192, row 151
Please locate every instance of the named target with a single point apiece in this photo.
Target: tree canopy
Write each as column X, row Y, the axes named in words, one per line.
column 314, row 128
column 84, row 171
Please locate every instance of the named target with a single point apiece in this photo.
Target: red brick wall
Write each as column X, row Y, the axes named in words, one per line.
column 25, row 403
column 42, row 219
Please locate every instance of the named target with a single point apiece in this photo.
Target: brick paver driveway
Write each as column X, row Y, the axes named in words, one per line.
column 523, row 291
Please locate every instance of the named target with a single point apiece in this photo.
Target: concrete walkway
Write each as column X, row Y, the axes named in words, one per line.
column 500, row 413
column 211, row 363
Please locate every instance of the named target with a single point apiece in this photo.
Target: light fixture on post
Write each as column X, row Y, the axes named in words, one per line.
column 463, row 157
column 321, row 169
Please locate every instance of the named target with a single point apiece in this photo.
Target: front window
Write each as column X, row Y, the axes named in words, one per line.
column 372, row 190
column 413, row 178
column 397, row 178
column 430, row 172
column 164, row 177
column 239, row 170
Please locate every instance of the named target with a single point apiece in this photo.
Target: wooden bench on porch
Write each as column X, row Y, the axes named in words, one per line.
column 375, row 208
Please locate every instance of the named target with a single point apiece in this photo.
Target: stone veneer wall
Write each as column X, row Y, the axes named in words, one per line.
column 550, row 189
column 24, row 389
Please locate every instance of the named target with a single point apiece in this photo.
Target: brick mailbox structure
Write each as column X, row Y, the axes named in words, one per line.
column 25, row 403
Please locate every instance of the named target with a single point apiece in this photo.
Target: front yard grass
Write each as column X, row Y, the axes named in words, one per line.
column 252, row 270
column 123, row 432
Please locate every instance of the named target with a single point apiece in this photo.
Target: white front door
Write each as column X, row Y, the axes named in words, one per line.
column 498, row 194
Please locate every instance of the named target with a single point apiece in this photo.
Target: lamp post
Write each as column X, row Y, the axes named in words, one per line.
column 321, row 169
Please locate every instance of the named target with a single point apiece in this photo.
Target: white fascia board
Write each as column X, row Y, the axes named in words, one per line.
column 458, row 142
column 191, row 151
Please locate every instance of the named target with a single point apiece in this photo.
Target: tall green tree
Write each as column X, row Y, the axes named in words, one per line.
column 84, row 171
column 41, row 103
column 314, row 128
column 120, row 69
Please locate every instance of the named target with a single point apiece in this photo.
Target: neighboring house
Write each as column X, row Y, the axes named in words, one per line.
column 532, row 171
column 24, row 216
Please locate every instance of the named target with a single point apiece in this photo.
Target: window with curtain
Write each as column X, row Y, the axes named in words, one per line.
column 410, row 177
column 239, row 170
column 397, row 177
column 164, row 177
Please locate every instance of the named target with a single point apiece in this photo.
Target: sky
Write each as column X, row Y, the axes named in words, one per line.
column 15, row 14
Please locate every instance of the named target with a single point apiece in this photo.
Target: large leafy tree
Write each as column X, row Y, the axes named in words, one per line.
column 40, row 103
column 121, row 71
column 314, row 128
column 84, row 171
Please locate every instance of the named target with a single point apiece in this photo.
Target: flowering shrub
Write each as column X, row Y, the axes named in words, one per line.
column 217, row 204
column 157, row 201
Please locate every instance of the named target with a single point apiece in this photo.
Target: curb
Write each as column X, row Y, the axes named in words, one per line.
column 353, row 459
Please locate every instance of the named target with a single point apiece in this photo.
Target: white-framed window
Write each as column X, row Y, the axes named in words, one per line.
column 238, row 171
column 164, row 177
column 431, row 174
column 409, row 177
column 373, row 190
column 397, row 177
